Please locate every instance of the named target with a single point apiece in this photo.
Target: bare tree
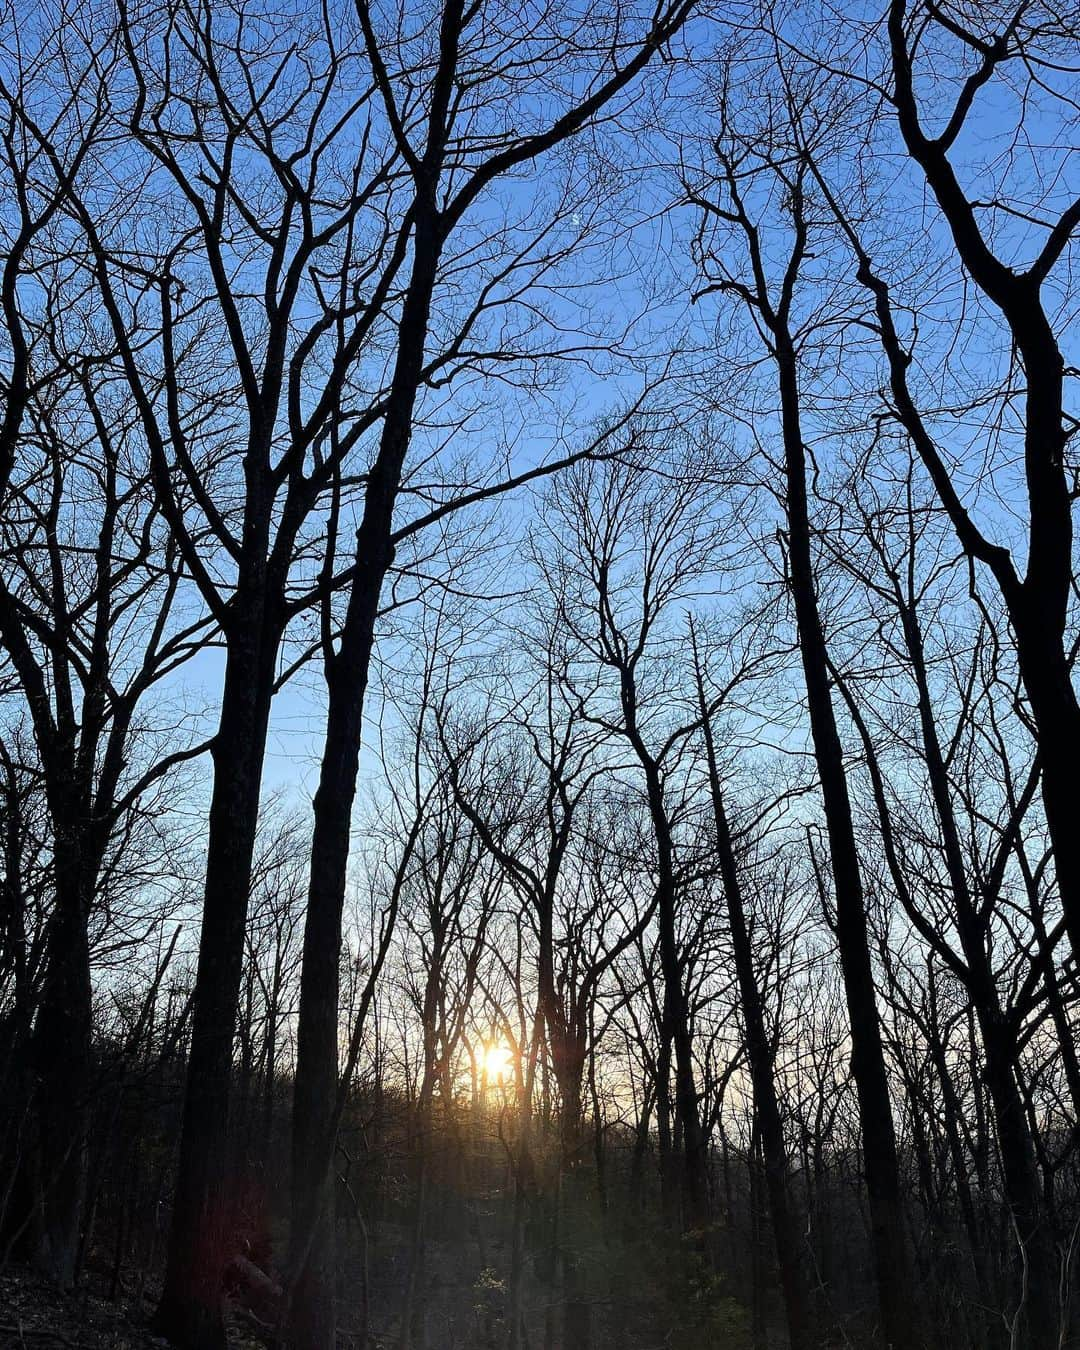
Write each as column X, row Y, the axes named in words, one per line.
column 631, row 553
column 769, row 290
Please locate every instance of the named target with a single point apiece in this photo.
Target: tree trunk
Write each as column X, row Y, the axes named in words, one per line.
column 577, row 1314
column 766, row 1106
column 311, row 1314
column 62, row 1049
column 675, row 1012
column 896, row 1304
column 190, row 1311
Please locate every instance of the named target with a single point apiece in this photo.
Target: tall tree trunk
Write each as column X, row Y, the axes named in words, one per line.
column 665, row 1145
column 759, row 1336
column 311, row 1312
column 675, row 1012
column 891, row 1264
column 577, row 1313
column 1038, row 604
column 759, row 1050
column 62, row 1059
column 190, row 1311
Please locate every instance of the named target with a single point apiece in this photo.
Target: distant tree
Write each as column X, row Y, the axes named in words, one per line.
column 636, row 538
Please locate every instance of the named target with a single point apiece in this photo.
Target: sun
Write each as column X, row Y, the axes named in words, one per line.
column 498, row 1062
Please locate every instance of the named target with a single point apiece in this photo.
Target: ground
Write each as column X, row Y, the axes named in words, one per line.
column 34, row 1314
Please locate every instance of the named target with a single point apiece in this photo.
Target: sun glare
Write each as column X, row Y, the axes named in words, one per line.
column 498, row 1063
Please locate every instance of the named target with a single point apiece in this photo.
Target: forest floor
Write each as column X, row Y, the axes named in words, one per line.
column 33, row 1314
